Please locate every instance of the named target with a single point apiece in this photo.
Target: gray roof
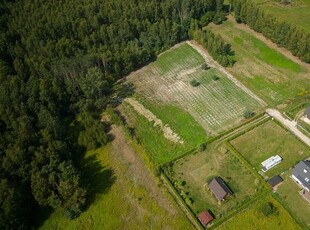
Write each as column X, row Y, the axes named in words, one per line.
column 307, row 112
column 302, row 171
column 219, row 188
column 275, row 181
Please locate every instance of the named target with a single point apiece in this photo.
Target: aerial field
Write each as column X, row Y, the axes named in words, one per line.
column 164, row 92
column 253, row 218
column 297, row 13
column 293, row 201
column 266, row 71
column 126, row 196
column 270, row 139
column 192, row 173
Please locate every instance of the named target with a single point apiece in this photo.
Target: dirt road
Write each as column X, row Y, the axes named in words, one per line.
column 213, row 63
column 291, row 125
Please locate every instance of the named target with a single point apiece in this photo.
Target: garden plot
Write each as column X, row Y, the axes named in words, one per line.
column 215, row 104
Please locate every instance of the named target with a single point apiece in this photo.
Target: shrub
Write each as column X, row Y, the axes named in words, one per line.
column 202, row 147
column 205, row 66
column 215, row 77
column 248, row 114
column 195, row 83
column 269, row 209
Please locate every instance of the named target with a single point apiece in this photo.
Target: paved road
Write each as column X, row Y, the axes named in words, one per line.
column 291, row 125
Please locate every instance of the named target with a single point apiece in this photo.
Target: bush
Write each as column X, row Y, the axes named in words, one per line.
column 215, row 77
column 202, row 147
column 269, row 209
column 194, row 83
column 248, row 114
column 205, row 66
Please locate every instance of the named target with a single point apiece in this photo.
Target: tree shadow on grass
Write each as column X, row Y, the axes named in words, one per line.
column 97, row 178
column 122, row 91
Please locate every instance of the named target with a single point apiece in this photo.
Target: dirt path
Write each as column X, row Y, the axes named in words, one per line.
column 138, row 172
column 291, row 125
column 269, row 43
column 168, row 132
column 213, row 63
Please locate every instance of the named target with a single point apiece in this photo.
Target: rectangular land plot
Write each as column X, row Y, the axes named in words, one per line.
column 270, row 139
column 253, row 218
column 266, row 71
column 293, row 201
column 215, row 104
column 192, row 173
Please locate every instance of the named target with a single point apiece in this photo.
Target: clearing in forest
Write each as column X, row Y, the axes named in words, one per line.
column 217, row 103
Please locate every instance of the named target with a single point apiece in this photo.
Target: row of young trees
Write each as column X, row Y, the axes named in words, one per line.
column 215, row 44
column 59, row 61
column 284, row 34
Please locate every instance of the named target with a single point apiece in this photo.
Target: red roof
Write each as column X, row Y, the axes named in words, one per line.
column 205, row 217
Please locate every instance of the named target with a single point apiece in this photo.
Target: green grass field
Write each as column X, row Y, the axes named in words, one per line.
column 297, row 13
column 198, row 169
column 289, row 192
column 160, row 149
column 253, row 218
column 267, row 72
column 267, row 140
column 122, row 204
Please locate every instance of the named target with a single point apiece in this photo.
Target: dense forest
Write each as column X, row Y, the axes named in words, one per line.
column 280, row 32
column 59, row 61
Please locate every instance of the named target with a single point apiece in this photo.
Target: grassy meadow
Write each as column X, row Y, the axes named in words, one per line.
column 193, row 173
column 274, row 77
column 267, row 140
column 120, row 200
column 253, row 218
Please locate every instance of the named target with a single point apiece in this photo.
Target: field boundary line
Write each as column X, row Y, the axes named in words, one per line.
column 188, row 212
column 204, row 53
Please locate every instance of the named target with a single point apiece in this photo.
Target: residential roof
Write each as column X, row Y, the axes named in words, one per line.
column 205, row 217
column 307, row 112
column 219, row 188
column 302, row 173
column 274, row 181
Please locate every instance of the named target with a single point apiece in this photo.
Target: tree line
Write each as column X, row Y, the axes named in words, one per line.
column 282, row 33
column 215, row 44
column 59, row 61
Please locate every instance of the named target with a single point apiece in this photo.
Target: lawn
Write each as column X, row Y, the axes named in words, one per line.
column 267, row 140
column 274, row 77
column 289, row 193
column 192, row 173
column 160, row 149
column 253, row 218
column 217, row 104
column 120, row 200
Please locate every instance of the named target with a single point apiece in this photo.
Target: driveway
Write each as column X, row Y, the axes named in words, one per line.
column 291, row 125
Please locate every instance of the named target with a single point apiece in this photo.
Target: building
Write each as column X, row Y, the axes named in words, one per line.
column 205, row 217
column 275, row 181
column 271, row 162
column 219, row 188
column 301, row 174
column 307, row 113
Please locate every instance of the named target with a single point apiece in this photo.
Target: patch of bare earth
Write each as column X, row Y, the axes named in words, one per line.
column 138, row 172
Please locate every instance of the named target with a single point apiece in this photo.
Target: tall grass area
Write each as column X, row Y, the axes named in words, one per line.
column 270, row 74
column 253, row 218
column 118, row 204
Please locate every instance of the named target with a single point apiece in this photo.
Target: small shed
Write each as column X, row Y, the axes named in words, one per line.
column 275, row 181
column 307, row 113
column 205, row 217
column 219, row 188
